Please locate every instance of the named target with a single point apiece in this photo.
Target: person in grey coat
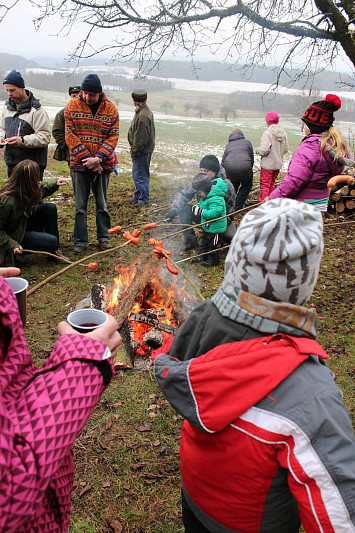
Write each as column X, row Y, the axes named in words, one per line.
column 238, row 161
column 181, row 204
column 141, row 138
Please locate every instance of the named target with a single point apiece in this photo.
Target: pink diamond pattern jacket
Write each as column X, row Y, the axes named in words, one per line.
column 42, row 411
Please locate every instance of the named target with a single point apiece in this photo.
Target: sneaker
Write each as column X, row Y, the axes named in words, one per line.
column 105, row 245
column 61, row 257
column 80, row 248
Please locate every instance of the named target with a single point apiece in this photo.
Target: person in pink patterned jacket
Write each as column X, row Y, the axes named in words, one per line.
column 42, row 411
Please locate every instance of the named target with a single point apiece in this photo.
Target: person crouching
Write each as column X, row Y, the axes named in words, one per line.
column 210, row 206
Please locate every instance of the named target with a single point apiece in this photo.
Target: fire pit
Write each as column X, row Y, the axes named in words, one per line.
column 147, row 307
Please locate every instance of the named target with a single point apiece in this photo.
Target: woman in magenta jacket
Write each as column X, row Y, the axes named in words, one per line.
column 312, row 165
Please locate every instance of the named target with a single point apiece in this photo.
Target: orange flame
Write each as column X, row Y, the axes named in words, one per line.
column 155, row 300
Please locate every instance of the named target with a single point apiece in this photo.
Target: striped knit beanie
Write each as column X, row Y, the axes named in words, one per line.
column 276, row 252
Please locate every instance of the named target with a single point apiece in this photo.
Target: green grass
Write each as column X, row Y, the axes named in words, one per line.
column 107, row 454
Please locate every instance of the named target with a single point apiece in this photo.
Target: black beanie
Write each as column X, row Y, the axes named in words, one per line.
column 73, row 90
column 14, row 78
column 201, row 182
column 319, row 116
column 210, row 162
column 139, row 95
column 91, row 84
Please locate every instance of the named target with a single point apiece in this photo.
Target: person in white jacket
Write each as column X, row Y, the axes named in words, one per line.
column 24, row 125
column 273, row 147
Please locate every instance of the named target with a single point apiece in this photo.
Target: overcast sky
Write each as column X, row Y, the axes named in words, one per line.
column 18, row 36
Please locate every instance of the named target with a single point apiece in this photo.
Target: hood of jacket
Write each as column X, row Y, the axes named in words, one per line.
column 219, row 188
column 236, row 135
column 212, row 391
column 278, row 132
column 25, row 107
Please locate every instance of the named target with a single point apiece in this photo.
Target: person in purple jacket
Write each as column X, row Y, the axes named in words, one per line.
column 42, row 411
column 319, row 157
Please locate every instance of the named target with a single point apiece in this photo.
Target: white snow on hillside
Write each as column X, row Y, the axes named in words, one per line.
column 215, row 86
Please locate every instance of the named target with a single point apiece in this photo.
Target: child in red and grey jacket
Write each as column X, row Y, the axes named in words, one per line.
column 266, row 444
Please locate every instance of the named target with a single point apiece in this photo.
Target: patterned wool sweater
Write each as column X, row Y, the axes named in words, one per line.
column 89, row 135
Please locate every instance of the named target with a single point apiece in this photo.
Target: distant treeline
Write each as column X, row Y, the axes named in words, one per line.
column 217, row 70
column 60, row 81
column 285, row 104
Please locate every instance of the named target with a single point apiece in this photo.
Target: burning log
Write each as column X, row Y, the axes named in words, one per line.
column 148, row 269
column 145, row 319
column 153, row 339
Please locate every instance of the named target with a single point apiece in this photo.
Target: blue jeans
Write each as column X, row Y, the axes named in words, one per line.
column 42, row 229
column 82, row 181
column 141, row 177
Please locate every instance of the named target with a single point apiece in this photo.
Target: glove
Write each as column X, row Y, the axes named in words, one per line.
column 171, row 215
column 197, row 211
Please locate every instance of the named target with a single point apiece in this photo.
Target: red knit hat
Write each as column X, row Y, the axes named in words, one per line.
column 319, row 116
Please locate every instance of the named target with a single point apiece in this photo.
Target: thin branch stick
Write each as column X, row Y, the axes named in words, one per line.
column 33, row 289
column 49, row 254
column 209, row 221
column 337, row 223
column 184, row 276
column 204, row 253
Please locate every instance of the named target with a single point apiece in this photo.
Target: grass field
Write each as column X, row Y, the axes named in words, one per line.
column 127, row 463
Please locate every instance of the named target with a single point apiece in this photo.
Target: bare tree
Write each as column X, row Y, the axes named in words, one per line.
column 226, row 110
column 202, row 109
column 308, row 33
column 187, row 108
column 167, row 106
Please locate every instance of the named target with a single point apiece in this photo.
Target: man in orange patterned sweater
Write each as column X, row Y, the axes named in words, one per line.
column 91, row 133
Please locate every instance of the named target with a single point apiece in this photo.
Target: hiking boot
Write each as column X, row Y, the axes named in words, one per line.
column 105, row 245
column 60, row 256
column 80, row 248
column 132, row 201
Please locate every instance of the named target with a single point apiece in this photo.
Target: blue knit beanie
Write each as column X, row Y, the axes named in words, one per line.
column 14, row 78
column 91, row 84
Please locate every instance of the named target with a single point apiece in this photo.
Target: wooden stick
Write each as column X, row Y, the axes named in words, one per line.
column 204, row 253
column 48, row 253
column 184, row 276
column 209, row 221
column 103, row 252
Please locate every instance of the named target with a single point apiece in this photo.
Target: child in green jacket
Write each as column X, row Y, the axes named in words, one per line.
column 210, row 206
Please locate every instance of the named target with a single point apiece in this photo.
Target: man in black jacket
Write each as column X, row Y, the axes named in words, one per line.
column 58, row 130
column 141, row 137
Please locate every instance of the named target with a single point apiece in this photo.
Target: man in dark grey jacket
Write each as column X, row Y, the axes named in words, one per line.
column 58, row 130
column 141, row 137
column 181, row 204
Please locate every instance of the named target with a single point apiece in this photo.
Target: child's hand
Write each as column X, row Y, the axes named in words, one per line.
column 197, row 211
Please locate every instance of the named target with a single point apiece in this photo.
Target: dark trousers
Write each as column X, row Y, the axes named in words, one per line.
column 242, row 182
column 185, row 217
column 191, row 523
column 11, row 167
column 42, row 229
column 141, row 177
column 209, row 242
